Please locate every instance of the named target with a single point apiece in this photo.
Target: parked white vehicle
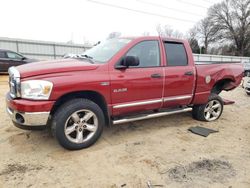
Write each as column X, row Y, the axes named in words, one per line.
column 247, row 87
column 246, row 68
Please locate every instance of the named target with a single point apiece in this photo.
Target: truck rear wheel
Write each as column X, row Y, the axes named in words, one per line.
column 78, row 124
column 210, row 111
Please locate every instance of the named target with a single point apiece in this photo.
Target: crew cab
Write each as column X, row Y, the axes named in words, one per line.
column 118, row 81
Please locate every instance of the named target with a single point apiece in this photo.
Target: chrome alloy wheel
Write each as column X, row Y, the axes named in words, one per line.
column 81, row 126
column 212, row 110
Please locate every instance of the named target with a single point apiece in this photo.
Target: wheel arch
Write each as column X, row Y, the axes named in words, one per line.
column 87, row 94
column 221, row 85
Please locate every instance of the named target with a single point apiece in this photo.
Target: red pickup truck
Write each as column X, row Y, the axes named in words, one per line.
column 117, row 81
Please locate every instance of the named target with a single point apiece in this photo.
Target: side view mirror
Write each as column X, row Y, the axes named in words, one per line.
column 131, row 61
column 24, row 58
column 128, row 61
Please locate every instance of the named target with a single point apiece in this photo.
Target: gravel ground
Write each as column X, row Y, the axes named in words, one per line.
column 159, row 150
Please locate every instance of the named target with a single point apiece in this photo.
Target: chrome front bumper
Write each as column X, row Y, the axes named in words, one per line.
column 28, row 118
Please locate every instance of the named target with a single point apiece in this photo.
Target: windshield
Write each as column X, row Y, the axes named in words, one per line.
column 105, row 50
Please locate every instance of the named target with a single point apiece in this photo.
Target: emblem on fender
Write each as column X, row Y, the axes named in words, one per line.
column 120, row 90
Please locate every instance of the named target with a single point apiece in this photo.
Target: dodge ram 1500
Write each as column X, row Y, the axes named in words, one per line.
column 117, row 81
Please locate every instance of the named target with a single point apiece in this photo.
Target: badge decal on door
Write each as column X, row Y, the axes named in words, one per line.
column 120, row 90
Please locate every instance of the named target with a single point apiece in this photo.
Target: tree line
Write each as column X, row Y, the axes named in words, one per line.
column 224, row 31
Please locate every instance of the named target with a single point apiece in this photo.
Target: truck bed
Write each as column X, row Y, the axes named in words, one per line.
column 210, row 73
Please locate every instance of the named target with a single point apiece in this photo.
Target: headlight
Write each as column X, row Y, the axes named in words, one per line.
column 36, row 89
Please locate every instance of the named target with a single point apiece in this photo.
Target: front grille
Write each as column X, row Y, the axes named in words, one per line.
column 14, row 82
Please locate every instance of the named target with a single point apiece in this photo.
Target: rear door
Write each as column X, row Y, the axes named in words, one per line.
column 179, row 75
column 138, row 88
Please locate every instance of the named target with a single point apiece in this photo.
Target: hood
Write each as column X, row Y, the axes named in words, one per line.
column 55, row 66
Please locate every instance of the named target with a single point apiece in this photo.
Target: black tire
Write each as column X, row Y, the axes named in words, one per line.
column 199, row 110
column 63, row 115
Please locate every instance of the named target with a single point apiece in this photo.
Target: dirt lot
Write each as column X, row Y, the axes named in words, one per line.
column 160, row 150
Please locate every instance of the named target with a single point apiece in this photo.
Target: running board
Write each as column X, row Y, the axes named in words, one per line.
column 149, row 116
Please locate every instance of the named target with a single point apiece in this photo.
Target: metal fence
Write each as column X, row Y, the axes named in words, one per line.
column 220, row 58
column 39, row 49
column 51, row 50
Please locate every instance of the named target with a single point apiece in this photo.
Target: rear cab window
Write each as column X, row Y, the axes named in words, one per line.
column 176, row 54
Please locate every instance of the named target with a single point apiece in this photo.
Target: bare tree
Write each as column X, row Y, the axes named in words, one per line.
column 207, row 31
column 145, row 33
column 192, row 37
column 194, row 45
column 177, row 34
column 167, row 31
column 193, row 33
column 114, row 35
column 233, row 17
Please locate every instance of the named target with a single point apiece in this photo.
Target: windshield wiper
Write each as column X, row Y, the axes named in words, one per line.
column 85, row 56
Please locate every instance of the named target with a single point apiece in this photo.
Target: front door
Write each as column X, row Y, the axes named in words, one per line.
column 138, row 88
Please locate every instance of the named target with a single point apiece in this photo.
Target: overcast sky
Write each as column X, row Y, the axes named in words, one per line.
column 93, row 20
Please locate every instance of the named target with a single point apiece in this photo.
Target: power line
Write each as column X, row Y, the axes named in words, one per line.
column 140, row 11
column 192, row 4
column 209, row 1
column 163, row 6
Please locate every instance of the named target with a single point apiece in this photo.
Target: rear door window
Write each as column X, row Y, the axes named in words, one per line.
column 176, row 54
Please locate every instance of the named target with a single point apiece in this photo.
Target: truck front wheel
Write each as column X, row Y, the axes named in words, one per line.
column 210, row 111
column 78, row 124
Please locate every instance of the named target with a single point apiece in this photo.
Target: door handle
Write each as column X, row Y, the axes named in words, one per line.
column 189, row 73
column 156, row 76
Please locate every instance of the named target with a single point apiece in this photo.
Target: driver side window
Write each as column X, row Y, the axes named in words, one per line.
column 147, row 52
